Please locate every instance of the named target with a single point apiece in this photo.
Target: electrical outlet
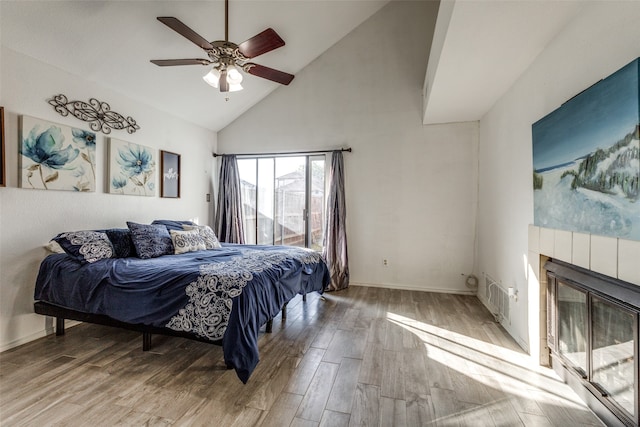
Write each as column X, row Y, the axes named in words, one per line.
column 385, row 262
column 208, row 197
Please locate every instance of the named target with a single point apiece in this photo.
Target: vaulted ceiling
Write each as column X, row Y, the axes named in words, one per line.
column 111, row 43
column 480, row 47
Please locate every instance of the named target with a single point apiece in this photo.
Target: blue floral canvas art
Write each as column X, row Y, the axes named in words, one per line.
column 132, row 169
column 56, row 157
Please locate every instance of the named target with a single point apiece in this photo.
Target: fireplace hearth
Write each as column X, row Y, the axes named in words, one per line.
column 592, row 332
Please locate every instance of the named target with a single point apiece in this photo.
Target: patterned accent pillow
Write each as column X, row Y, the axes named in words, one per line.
column 122, row 244
column 173, row 224
column 150, row 240
column 86, row 246
column 207, row 234
column 187, row 241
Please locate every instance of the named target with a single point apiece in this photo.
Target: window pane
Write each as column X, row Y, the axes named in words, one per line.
column 247, row 170
column 265, row 201
column 613, row 346
column 316, row 205
column 572, row 322
column 290, row 201
column 276, row 194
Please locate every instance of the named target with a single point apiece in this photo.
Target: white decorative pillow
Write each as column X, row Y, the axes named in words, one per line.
column 207, row 234
column 54, row 247
column 187, row 241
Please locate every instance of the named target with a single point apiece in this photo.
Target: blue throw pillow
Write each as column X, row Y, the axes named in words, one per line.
column 150, row 240
column 173, row 225
column 86, row 246
column 122, row 244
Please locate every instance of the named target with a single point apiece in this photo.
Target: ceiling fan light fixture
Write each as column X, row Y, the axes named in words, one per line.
column 212, row 77
column 228, row 58
column 234, row 76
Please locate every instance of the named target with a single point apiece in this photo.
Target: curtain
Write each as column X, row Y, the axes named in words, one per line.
column 335, row 237
column 229, row 216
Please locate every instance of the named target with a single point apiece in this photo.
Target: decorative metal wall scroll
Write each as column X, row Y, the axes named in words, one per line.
column 97, row 113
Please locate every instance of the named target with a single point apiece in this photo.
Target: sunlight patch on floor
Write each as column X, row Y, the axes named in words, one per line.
column 490, row 364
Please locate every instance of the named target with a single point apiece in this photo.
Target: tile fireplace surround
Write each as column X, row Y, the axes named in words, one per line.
column 616, row 258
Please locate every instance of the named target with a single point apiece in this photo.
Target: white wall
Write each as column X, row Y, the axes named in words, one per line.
column 29, row 218
column 411, row 189
column 604, row 37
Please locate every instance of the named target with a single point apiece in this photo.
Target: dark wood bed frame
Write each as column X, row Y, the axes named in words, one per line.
column 61, row 313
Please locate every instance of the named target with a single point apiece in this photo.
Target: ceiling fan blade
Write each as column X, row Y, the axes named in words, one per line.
column 264, row 42
column 171, row 62
column 178, row 26
column 269, row 73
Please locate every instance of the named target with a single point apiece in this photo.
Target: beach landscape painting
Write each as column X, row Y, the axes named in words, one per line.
column 586, row 160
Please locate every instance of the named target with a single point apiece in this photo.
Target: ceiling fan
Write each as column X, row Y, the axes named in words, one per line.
column 227, row 57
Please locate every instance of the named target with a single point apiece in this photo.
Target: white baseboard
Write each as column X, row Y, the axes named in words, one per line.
column 23, row 340
column 507, row 327
column 47, row 330
column 518, row 339
column 415, row 288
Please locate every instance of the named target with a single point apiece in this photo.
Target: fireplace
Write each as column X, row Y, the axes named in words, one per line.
column 592, row 332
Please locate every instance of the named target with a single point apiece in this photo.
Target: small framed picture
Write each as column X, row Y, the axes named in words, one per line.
column 170, row 167
column 3, row 172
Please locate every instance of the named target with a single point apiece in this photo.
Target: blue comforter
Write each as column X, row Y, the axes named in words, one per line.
column 224, row 294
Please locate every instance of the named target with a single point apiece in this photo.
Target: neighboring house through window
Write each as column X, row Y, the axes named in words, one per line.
column 283, row 198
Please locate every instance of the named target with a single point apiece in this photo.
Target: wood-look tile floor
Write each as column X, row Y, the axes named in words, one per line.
column 359, row 357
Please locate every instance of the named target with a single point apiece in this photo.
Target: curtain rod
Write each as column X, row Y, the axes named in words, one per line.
column 286, row 152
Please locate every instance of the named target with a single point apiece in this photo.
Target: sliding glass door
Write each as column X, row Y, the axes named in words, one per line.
column 283, row 200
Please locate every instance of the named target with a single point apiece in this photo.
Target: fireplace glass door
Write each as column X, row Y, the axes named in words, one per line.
column 613, row 351
column 572, row 326
column 593, row 331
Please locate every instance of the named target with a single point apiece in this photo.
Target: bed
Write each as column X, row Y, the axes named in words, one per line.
column 222, row 296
